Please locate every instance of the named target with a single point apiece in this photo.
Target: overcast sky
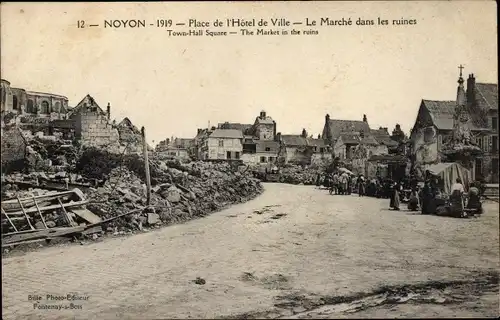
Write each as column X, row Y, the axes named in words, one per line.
column 173, row 86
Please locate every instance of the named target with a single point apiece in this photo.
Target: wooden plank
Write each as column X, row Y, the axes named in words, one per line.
column 48, row 196
column 111, row 219
column 86, row 214
column 10, row 221
column 42, row 234
column 24, row 212
column 68, row 217
column 40, row 213
column 52, row 207
column 95, row 229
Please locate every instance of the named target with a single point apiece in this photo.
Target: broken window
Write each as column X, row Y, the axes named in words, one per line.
column 322, row 150
column 221, row 143
column 45, row 107
column 237, row 155
column 494, row 124
column 14, row 102
column 262, row 159
column 57, row 107
column 31, row 107
column 268, row 149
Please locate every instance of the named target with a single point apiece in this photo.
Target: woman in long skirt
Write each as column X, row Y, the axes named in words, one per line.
column 428, row 204
column 392, row 198
column 397, row 203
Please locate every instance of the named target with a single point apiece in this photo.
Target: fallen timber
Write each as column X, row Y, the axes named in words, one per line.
column 69, row 204
column 30, row 236
column 26, row 204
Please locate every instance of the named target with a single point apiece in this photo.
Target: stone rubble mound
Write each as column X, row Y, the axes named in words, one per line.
column 298, row 175
column 181, row 192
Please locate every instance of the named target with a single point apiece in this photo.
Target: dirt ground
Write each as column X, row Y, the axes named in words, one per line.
column 295, row 251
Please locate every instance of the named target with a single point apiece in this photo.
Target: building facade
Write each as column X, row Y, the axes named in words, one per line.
column 32, row 103
column 434, row 128
column 223, row 144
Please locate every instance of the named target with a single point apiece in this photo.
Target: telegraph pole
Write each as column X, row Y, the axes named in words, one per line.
column 146, row 164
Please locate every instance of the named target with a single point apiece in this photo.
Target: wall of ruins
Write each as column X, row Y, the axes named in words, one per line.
column 13, row 144
column 33, row 104
column 93, row 129
column 321, row 158
column 6, row 96
column 265, row 131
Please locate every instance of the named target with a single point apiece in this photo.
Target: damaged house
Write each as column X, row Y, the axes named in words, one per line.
column 303, row 150
column 130, row 136
column 434, row 127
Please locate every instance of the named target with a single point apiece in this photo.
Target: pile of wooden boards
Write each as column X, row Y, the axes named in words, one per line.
column 53, row 215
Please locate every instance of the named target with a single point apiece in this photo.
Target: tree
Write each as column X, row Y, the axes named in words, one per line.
column 397, row 134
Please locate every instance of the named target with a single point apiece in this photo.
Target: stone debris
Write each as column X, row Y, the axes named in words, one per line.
column 118, row 201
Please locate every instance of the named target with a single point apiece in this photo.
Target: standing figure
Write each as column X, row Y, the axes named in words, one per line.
column 345, row 181
column 397, row 194
column 336, row 183
column 428, row 201
column 361, row 186
column 457, row 199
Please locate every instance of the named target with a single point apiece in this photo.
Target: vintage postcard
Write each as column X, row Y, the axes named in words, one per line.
column 312, row 159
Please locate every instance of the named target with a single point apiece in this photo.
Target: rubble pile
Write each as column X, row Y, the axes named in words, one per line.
column 298, row 175
column 179, row 194
column 103, row 192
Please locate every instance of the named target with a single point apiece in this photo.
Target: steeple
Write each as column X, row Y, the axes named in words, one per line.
column 461, row 97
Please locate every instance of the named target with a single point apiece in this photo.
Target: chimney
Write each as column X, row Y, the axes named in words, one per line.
column 304, row 133
column 278, row 136
column 262, row 114
column 274, row 128
column 471, row 90
column 319, row 136
column 327, row 117
column 364, row 118
column 108, row 111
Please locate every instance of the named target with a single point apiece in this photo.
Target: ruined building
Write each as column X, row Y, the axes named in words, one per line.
column 471, row 120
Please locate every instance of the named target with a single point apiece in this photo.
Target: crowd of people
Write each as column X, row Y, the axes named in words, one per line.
column 429, row 199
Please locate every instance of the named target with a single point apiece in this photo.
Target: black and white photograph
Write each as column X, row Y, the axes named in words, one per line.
column 249, row 160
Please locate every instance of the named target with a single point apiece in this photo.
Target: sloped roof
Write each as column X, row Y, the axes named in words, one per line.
column 339, row 126
column 487, row 95
column 265, row 120
column 350, row 138
column 294, row 140
column 383, row 137
column 442, row 113
column 81, row 104
column 227, row 133
column 355, row 138
column 261, row 146
column 243, row 127
column 317, row 142
column 126, row 123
